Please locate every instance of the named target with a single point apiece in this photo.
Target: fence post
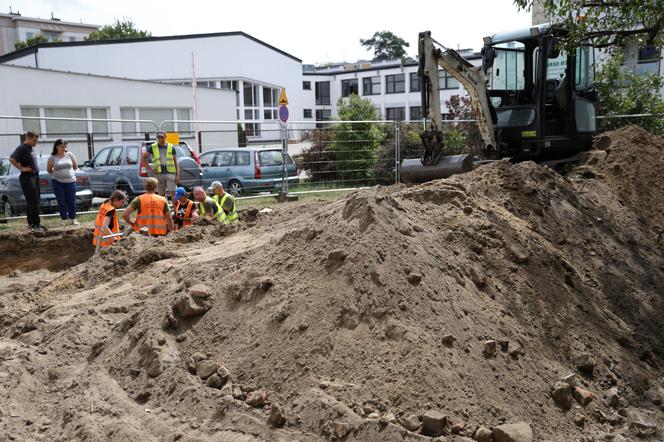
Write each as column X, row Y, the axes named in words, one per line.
column 91, row 146
column 199, row 135
column 284, row 154
column 397, row 152
column 147, row 136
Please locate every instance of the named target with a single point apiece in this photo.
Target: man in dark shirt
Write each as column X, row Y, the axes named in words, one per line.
column 25, row 160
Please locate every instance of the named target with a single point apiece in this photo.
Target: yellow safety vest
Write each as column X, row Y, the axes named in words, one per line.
column 170, row 161
column 221, row 216
column 232, row 215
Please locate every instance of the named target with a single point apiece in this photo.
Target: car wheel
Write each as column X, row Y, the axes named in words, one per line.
column 235, row 188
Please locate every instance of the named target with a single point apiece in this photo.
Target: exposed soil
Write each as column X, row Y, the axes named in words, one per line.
column 360, row 319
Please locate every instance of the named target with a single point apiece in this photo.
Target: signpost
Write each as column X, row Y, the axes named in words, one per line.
column 283, row 117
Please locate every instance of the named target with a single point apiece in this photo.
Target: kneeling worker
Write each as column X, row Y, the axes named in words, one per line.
column 151, row 211
column 185, row 212
column 107, row 222
column 225, row 200
column 208, row 208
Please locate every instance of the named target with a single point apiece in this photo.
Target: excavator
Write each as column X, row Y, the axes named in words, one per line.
column 532, row 100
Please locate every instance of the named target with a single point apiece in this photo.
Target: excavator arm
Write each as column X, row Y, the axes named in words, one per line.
column 473, row 80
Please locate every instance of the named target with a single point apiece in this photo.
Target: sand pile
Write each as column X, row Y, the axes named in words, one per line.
column 509, row 301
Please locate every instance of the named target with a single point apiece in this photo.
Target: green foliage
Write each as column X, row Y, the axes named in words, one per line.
column 319, row 160
column 622, row 92
column 241, row 136
column 386, row 46
column 356, row 144
column 39, row 38
column 608, row 22
column 461, row 137
column 124, row 28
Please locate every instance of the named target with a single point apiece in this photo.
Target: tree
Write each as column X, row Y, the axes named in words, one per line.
column 124, row 28
column 356, row 144
column 386, row 46
column 39, row 38
column 622, row 92
column 609, row 22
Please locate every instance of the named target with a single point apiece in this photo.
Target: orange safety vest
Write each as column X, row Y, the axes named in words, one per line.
column 115, row 228
column 151, row 214
column 186, row 220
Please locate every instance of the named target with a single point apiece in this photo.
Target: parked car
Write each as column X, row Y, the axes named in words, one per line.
column 118, row 166
column 247, row 169
column 11, row 194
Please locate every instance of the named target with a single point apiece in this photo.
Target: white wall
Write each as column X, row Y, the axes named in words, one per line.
column 36, row 87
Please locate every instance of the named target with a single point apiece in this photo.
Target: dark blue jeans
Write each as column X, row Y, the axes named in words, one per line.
column 65, row 193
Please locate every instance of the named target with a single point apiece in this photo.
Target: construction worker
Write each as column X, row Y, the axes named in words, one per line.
column 107, row 222
column 164, row 165
column 208, row 208
column 185, row 211
column 151, row 210
column 225, row 200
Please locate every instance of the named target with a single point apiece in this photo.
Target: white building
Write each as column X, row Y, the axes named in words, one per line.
column 48, row 93
column 235, row 61
column 393, row 87
column 14, row 28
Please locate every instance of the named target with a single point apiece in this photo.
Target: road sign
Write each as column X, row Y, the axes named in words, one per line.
column 283, row 113
column 173, row 137
column 283, row 100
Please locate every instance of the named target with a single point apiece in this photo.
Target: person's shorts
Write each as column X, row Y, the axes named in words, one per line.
column 165, row 182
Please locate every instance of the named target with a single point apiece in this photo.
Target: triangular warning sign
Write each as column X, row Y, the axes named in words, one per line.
column 283, row 100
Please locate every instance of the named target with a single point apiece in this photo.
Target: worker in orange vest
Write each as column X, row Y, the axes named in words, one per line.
column 184, row 212
column 107, row 219
column 152, row 211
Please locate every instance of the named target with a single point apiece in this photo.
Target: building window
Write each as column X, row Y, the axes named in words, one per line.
column 349, row 87
column 323, row 115
column 53, row 129
column 395, row 84
column 270, row 103
column 307, row 113
column 415, row 113
column 371, row 86
column 414, row 82
column 306, row 85
column 446, row 81
column 29, row 35
column 323, row 93
column 32, row 125
column 132, row 129
column 395, row 113
column 251, row 95
column 72, row 38
column 252, row 129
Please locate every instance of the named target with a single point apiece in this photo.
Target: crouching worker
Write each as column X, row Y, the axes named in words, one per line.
column 225, row 201
column 208, row 208
column 152, row 212
column 185, row 212
column 107, row 222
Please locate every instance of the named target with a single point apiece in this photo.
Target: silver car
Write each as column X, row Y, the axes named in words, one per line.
column 12, row 200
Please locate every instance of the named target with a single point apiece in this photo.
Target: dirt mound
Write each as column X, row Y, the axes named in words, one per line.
column 504, row 300
column 631, row 161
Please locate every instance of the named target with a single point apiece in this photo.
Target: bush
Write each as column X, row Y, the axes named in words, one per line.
column 319, row 159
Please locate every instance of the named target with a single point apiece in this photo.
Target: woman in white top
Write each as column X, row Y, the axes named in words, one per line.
column 61, row 165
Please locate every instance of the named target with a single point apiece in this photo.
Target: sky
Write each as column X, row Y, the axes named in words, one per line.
column 314, row 31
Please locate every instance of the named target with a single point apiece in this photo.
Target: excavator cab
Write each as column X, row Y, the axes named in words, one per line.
column 542, row 98
column 532, row 100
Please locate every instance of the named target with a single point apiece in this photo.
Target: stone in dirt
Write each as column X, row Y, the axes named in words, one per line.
column 206, row 368
column 579, row 420
column 186, row 307
column 411, row 423
column 612, row 397
column 448, row 340
column 518, row 432
column 570, row 379
column 390, row 417
column 561, row 394
column 200, row 290
column 214, row 381
column 223, row 373
column 483, row 434
column 641, row 424
column 583, row 397
column 489, row 348
column 257, row 398
column 277, row 417
column 433, row 423
column 414, row 278
column 653, row 396
column 585, row 363
column 504, row 345
column 458, row 427
column 518, row 254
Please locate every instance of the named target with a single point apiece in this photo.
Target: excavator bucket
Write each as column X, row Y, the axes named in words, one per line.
column 414, row 172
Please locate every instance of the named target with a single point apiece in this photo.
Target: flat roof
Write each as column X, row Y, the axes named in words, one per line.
column 473, row 56
column 34, row 48
column 19, row 17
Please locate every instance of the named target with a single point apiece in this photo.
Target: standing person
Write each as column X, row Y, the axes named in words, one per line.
column 107, row 221
column 164, row 165
column 208, row 208
column 61, row 165
column 225, row 201
column 25, row 160
column 151, row 211
column 185, row 211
